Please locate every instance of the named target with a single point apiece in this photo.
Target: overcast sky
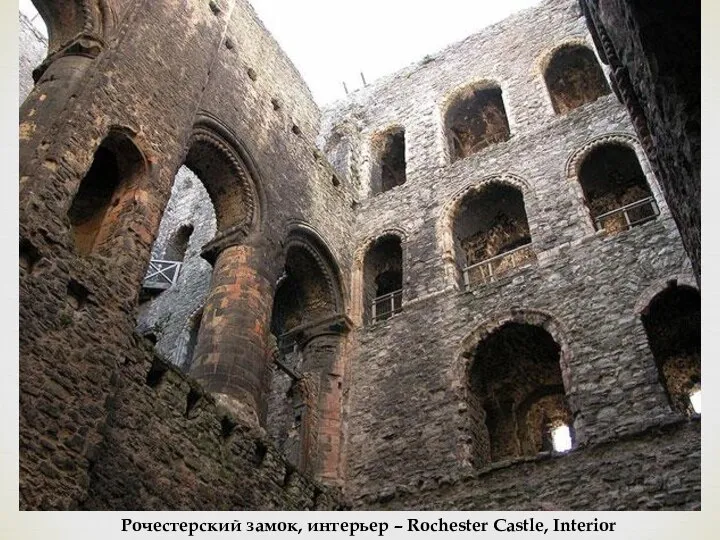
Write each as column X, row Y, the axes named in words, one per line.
column 332, row 41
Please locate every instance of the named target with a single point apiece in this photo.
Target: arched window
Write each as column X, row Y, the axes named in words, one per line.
column 616, row 191
column 305, row 402
column 491, row 233
column 389, row 160
column 178, row 244
column 105, row 192
column 574, row 78
column 476, row 119
column 516, row 396
column 383, row 279
column 223, row 178
column 672, row 325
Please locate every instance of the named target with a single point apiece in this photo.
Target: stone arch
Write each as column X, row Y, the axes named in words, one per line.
column 658, row 286
column 452, row 210
column 388, row 265
column 574, row 164
column 671, row 320
column 572, row 75
column 227, row 172
column 106, row 191
column 474, row 117
column 357, row 278
column 474, row 445
column 387, row 159
column 317, row 274
column 75, row 26
column 308, row 315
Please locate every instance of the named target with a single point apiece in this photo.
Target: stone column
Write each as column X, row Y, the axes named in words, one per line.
column 233, row 351
column 323, row 351
column 57, row 83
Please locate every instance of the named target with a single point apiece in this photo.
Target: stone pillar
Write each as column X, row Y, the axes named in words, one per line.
column 233, row 351
column 57, row 83
column 323, row 353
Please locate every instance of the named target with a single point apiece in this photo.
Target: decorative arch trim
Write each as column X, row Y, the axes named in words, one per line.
column 572, row 165
column 70, row 21
column 451, row 207
column 303, row 236
column 211, row 131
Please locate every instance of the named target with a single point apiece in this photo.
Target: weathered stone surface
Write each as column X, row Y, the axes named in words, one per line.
column 653, row 49
column 383, row 410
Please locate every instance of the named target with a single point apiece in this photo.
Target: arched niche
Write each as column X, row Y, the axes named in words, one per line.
column 388, row 160
column 106, row 192
column 516, row 395
column 382, row 279
column 489, row 231
column 475, row 119
column 573, row 77
column 672, row 325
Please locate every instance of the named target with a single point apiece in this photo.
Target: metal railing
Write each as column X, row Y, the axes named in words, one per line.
column 629, row 216
column 161, row 274
column 386, row 306
column 488, row 270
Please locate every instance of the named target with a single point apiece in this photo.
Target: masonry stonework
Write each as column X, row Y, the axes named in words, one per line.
column 653, row 51
column 323, row 343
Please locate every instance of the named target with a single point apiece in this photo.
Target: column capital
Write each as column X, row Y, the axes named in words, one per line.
column 87, row 45
column 234, row 236
column 333, row 325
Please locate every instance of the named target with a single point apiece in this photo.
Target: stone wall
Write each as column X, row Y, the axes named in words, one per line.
column 584, row 286
column 658, row 469
column 96, row 430
column 32, row 47
column 653, row 50
column 107, row 424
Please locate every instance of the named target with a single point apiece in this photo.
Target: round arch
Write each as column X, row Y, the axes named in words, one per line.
column 593, row 71
column 577, row 158
column 220, row 160
column 357, row 286
column 304, row 237
column 495, row 116
column 658, row 286
column 68, row 19
column 451, row 210
column 461, row 373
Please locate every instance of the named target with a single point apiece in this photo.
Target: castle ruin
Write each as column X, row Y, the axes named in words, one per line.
column 460, row 288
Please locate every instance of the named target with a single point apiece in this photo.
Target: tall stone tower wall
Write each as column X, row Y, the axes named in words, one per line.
column 408, row 406
column 327, row 307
